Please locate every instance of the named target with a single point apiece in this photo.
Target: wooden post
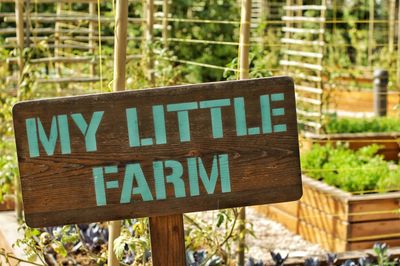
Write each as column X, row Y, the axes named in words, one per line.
column 19, row 9
column 120, row 43
column 371, row 30
column 19, row 21
column 165, row 231
column 92, row 30
column 288, row 24
column 57, row 39
column 149, row 11
column 244, row 47
column 165, row 23
column 392, row 14
column 244, row 42
column 27, row 36
column 398, row 47
column 167, row 240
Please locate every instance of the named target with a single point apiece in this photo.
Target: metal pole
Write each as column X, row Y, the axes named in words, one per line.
column 120, row 43
column 381, row 80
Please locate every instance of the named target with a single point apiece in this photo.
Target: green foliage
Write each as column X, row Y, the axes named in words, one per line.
column 352, row 171
column 8, row 162
column 357, row 125
column 215, row 234
column 257, row 67
column 134, row 239
column 216, row 54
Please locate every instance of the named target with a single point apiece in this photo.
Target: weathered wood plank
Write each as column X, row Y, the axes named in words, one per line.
column 72, row 184
column 167, row 240
column 328, row 223
column 326, row 240
column 289, row 221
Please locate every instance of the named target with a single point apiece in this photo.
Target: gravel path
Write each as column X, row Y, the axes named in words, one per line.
column 271, row 236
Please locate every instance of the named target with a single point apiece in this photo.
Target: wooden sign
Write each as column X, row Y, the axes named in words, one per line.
column 158, row 151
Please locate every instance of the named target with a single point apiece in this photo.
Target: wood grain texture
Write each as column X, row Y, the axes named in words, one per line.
column 167, row 240
column 337, row 220
column 59, row 189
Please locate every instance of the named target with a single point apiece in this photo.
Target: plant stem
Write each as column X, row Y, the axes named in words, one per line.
column 9, row 255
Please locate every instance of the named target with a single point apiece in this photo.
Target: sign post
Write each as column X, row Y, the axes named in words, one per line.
column 158, row 152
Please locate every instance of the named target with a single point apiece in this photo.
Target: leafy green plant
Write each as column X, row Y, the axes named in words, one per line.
column 216, row 237
column 353, row 171
column 357, row 125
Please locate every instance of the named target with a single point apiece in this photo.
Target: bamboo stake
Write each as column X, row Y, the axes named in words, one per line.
column 244, row 45
column 57, row 40
column 288, row 25
column 392, row 14
column 165, row 23
column 120, row 43
column 244, row 41
column 28, row 23
column 398, row 48
column 19, row 8
column 149, row 40
column 92, row 38
column 371, row 30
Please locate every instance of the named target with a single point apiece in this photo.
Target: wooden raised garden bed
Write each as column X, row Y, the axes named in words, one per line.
column 390, row 142
column 360, row 100
column 338, row 220
column 8, row 204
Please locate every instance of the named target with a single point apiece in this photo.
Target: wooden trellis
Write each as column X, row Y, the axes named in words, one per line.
column 61, row 33
column 303, row 48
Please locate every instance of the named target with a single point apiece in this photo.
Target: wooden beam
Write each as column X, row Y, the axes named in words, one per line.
column 168, row 240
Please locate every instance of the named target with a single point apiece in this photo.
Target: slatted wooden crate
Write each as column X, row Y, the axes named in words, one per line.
column 338, row 220
column 8, row 204
column 390, row 142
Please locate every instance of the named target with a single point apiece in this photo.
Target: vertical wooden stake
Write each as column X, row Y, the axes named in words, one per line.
column 244, row 47
column 149, row 40
column 120, row 43
column 167, row 240
column 19, row 9
column 398, row 47
column 27, row 36
column 92, row 30
column 244, row 41
column 57, row 40
column 371, row 30
column 165, row 23
column 392, row 14
column 19, row 15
